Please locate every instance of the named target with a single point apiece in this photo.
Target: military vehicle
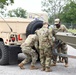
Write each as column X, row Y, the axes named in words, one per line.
column 13, row 32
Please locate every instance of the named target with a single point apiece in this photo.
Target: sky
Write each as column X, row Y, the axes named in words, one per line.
column 28, row 5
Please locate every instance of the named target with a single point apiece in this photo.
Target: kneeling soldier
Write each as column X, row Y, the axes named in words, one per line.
column 29, row 52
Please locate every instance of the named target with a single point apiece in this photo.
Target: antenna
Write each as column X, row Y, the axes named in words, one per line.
column 6, row 23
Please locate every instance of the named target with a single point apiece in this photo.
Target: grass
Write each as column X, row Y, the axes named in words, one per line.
column 72, row 30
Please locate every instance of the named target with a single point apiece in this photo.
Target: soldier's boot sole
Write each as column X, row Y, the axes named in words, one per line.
column 21, row 65
column 48, row 70
column 33, row 67
column 66, row 65
column 54, row 64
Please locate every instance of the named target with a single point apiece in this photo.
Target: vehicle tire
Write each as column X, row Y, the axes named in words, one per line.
column 34, row 25
column 4, row 54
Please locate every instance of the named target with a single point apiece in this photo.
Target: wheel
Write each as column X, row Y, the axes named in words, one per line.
column 4, row 56
column 34, row 25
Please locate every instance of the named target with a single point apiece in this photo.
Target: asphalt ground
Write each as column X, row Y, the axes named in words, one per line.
column 56, row 70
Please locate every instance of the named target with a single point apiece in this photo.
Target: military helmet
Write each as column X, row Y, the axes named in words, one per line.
column 57, row 21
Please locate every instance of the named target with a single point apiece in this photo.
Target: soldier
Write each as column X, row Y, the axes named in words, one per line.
column 62, row 48
column 45, row 44
column 29, row 52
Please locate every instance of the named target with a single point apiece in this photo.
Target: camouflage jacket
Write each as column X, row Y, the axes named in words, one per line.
column 62, row 28
column 30, row 41
column 45, row 37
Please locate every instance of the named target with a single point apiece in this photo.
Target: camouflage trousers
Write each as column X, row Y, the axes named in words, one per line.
column 45, row 57
column 61, row 49
column 31, row 55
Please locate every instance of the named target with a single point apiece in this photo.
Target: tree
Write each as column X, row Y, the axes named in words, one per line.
column 6, row 1
column 54, row 7
column 19, row 12
column 69, row 13
column 3, row 4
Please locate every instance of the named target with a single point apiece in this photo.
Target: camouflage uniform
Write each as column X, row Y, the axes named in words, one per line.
column 45, row 43
column 62, row 48
column 28, row 50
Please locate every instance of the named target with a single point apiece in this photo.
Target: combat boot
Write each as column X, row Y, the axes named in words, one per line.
column 48, row 69
column 21, row 65
column 33, row 67
column 54, row 64
column 66, row 65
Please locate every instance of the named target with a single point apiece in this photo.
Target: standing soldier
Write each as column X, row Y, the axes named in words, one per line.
column 62, row 48
column 27, row 50
column 45, row 44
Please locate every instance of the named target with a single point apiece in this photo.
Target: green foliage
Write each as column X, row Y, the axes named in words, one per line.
column 3, row 4
column 6, row 1
column 53, row 7
column 50, row 20
column 69, row 13
column 63, row 9
column 19, row 12
column 3, row 1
